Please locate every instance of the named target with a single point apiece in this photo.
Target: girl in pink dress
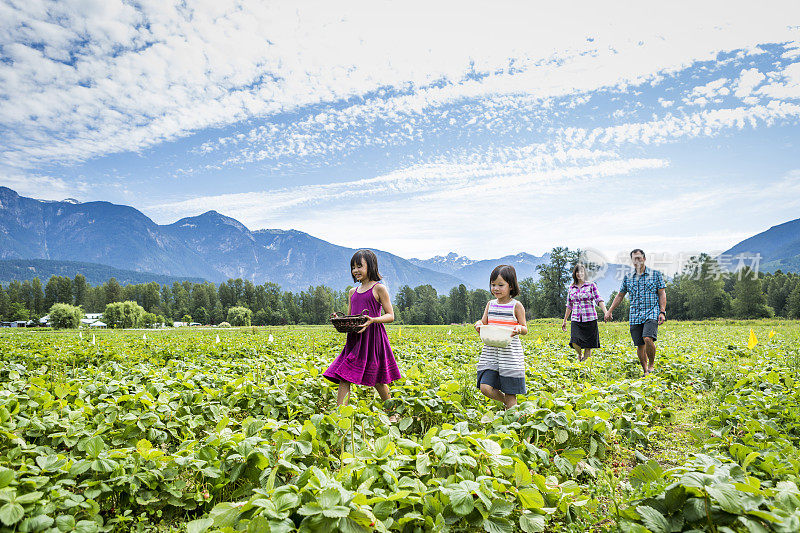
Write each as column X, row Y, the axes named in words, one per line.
column 367, row 357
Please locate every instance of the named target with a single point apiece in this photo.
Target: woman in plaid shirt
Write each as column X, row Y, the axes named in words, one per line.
column 582, row 298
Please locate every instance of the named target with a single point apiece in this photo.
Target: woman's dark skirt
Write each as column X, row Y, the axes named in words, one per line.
column 584, row 334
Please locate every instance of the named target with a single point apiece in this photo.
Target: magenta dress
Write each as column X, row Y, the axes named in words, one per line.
column 366, row 358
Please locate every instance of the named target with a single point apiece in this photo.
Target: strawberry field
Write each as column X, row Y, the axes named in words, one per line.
column 178, row 431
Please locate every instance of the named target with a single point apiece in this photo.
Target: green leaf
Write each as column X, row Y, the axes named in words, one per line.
column 87, row 526
column 461, row 502
column 752, row 525
column 11, row 513
column 382, row 445
column 573, row 455
column 104, row 465
column 222, row 424
column 285, row 501
column 310, row 509
column 6, row 477
column 674, row 498
column 646, row 473
column 653, row 520
column 752, row 456
column 30, row 497
column 347, row 525
column 501, row 508
column 530, row 498
column 95, row 446
column 199, row 526
column 563, row 465
column 522, row 476
column 36, row 523
column 337, row 511
column 405, row 423
column 495, row 524
column 532, row 523
column 65, row 522
column 224, row 514
column 728, row 498
column 329, row 497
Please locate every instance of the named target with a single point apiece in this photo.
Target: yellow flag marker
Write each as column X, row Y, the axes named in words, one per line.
column 399, row 332
column 771, row 334
column 538, row 340
column 752, row 341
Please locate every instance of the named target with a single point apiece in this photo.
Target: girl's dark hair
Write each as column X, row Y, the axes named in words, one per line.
column 508, row 273
column 575, row 272
column 368, row 258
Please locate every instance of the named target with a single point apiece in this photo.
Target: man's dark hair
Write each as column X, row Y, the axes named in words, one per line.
column 508, row 273
column 638, row 250
column 366, row 257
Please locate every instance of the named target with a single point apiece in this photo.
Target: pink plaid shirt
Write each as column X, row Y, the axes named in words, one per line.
column 582, row 300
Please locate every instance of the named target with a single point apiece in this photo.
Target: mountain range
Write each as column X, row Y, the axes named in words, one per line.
column 779, row 248
column 209, row 246
column 215, row 247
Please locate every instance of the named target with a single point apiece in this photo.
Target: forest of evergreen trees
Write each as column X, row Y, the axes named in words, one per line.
column 701, row 291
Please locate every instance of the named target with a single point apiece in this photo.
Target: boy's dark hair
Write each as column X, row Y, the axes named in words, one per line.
column 508, row 273
column 368, row 258
column 638, row 250
column 575, row 271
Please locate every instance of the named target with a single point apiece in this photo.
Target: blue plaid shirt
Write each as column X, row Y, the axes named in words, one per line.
column 643, row 293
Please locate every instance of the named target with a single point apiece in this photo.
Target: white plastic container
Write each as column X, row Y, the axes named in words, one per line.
column 497, row 336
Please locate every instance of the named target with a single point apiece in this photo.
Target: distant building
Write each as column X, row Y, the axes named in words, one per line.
column 94, row 316
column 97, row 324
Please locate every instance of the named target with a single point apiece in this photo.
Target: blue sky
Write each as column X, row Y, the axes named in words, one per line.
column 416, row 128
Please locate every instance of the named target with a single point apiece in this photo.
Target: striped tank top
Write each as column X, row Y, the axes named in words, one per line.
column 508, row 361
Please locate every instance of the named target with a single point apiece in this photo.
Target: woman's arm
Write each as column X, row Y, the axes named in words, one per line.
column 567, row 314
column 350, row 301
column 597, row 297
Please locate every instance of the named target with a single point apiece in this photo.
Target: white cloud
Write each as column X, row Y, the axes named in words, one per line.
column 710, row 93
column 41, row 186
column 90, row 78
column 785, row 84
column 748, row 80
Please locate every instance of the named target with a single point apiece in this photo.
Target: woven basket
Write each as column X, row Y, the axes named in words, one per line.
column 348, row 323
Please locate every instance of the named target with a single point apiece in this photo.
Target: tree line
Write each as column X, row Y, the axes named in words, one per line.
column 700, row 291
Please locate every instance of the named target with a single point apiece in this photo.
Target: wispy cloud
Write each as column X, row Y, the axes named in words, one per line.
column 41, row 186
column 84, row 79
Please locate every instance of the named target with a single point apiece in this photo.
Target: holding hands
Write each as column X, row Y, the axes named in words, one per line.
column 608, row 317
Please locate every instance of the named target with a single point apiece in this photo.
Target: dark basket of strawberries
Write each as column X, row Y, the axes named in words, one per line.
column 348, row 323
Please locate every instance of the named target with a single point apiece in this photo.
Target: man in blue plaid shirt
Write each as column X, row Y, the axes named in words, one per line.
column 648, row 298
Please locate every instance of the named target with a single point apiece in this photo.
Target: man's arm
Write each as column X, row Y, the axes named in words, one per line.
column 662, row 305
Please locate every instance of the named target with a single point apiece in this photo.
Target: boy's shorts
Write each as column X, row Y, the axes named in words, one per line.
column 640, row 331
